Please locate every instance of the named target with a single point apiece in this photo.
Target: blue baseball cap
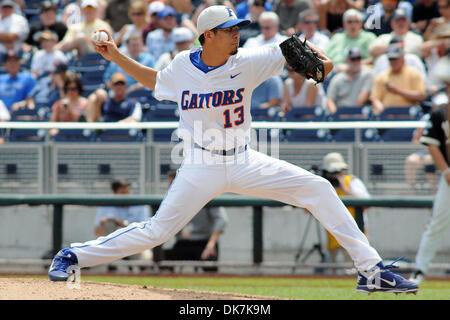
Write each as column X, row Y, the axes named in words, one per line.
column 218, row 17
column 167, row 11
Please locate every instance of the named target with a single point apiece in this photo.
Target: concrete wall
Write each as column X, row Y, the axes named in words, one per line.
column 25, row 232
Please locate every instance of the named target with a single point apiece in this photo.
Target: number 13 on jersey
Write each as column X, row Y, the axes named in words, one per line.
column 237, row 113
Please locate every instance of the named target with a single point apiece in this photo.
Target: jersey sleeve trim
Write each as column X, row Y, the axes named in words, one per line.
column 428, row 140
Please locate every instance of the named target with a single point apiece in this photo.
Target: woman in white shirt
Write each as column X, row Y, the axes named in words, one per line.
column 300, row 92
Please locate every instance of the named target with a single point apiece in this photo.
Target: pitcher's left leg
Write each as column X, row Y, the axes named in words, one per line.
column 267, row 177
column 263, row 176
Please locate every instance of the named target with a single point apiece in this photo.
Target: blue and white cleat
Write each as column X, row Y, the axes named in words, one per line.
column 380, row 278
column 58, row 270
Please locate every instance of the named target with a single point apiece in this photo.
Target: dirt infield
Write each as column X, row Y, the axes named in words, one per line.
column 43, row 289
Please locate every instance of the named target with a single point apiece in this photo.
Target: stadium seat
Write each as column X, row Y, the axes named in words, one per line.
column 268, row 114
column 397, row 135
column 348, row 135
column 400, row 113
column 305, row 114
column 32, row 9
column 310, row 135
column 43, row 110
column 164, row 135
column 90, row 62
column 25, row 114
column 144, row 97
column 347, row 113
column 162, row 112
column 120, row 135
column 74, row 135
column 92, row 80
column 26, row 135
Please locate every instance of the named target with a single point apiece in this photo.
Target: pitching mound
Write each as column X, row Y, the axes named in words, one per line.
column 43, row 289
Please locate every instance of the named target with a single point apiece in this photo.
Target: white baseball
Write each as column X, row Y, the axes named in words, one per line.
column 100, row 36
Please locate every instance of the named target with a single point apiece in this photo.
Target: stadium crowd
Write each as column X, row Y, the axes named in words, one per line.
column 385, row 54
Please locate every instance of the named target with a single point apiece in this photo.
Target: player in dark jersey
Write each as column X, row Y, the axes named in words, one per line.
column 436, row 137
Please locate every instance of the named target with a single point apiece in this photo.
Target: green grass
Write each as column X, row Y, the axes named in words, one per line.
column 291, row 288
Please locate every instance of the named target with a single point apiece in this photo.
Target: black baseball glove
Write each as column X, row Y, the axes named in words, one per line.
column 302, row 58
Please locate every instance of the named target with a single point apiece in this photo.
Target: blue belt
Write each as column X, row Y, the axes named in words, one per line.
column 230, row 152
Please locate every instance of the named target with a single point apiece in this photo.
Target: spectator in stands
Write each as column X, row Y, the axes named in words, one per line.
column 307, row 27
column 352, row 87
column 153, row 9
column 353, row 36
column 48, row 89
column 300, row 92
column 269, row 24
column 251, row 30
column 288, row 11
column 206, row 3
column 181, row 7
column 4, row 116
column 111, row 218
column 117, row 14
column 14, row 28
column 380, row 14
column 400, row 28
column 15, row 86
column 47, row 21
column 242, row 8
column 432, row 51
column 444, row 10
column 411, row 59
column 161, row 40
column 422, row 159
column 347, row 185
column 199, row 239
column 135, row 49
column 113, row 107
column 72, row 107
column 423, row 12
column 78, row 36
column 43, row 61
column 184, row 39
column 4, row 112
column 73, row 12
column 331, row 13
column 399, row 86
column 139, row 18
column 268, row 94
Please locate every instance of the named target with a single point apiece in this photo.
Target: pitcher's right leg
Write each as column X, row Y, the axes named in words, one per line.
column 192, row 189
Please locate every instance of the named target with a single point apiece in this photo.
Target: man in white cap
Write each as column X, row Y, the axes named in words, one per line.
column 78, row 35
column 154, row 8
column 334, row 169
column 184, row 39
column 213, row 86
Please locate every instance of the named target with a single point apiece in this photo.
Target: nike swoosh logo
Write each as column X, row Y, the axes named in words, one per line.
column 232, row 77
column 391, row 283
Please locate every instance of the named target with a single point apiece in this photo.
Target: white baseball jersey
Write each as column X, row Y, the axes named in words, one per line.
column 218, row 99
column 214, row 108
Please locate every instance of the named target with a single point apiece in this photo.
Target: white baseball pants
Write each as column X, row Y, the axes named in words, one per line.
column 435, row 229
column 250, row 173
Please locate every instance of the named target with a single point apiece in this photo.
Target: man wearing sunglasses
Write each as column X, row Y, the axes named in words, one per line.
column 352, row 87
column 307, row 27
column 399, row 86
column 114, row 106
column 269, row 23
column 353, row 36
